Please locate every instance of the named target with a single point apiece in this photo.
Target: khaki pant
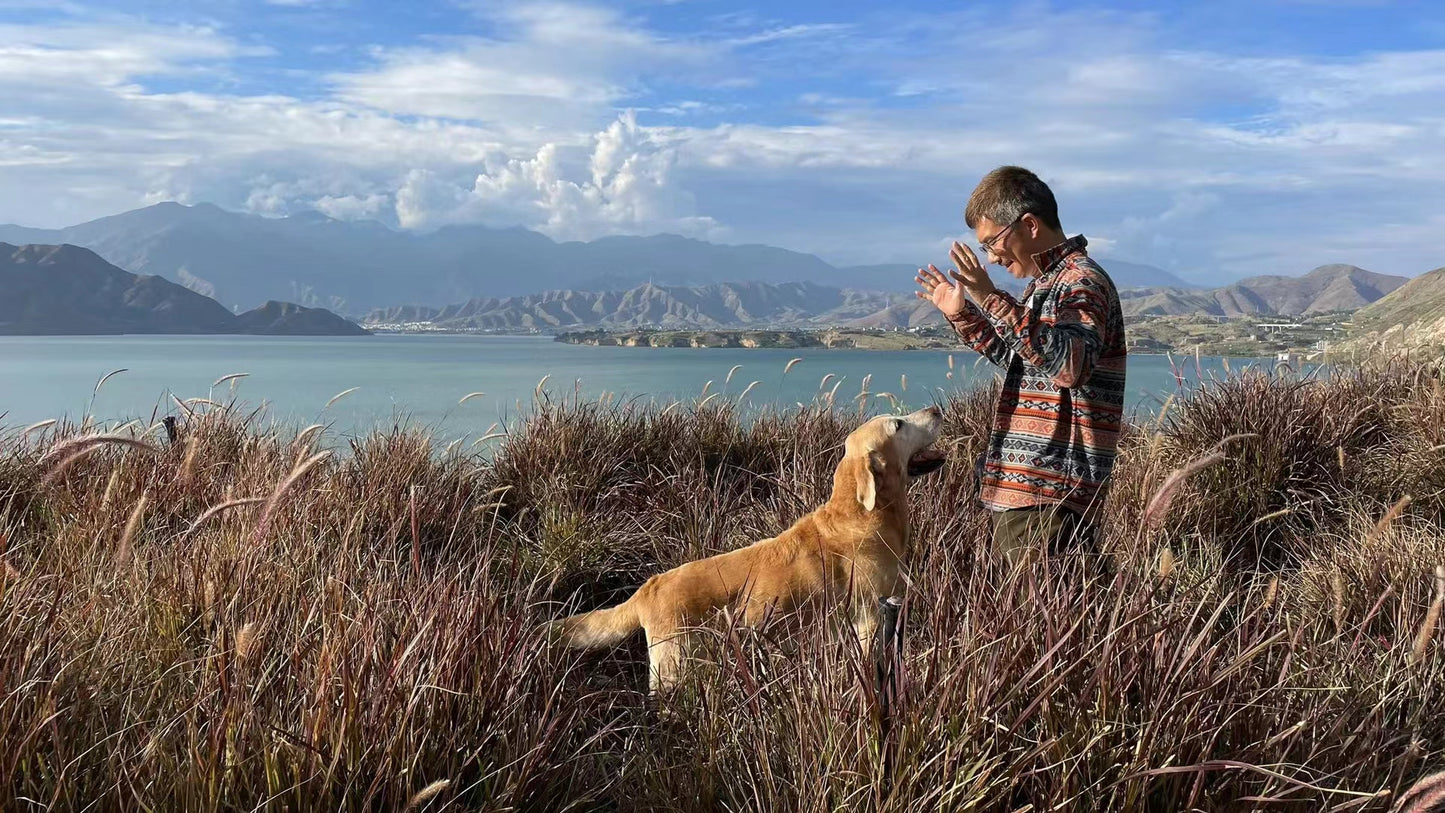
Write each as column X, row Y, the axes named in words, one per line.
column 1022, row 534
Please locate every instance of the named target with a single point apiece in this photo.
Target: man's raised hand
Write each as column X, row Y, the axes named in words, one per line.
column 970, row 272
column 936, row 288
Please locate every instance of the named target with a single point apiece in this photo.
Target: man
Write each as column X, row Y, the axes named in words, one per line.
column 1056, row 425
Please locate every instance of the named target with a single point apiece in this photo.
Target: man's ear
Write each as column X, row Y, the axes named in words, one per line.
column 870, row 468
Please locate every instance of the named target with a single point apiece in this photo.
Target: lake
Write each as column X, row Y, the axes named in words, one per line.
column 419, row 379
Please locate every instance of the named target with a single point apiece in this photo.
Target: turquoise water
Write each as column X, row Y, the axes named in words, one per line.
column 420, row 379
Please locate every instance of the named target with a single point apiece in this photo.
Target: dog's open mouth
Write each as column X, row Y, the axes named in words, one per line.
column 925, row 461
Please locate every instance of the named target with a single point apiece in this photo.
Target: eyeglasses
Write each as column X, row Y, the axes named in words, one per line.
column 990, row 244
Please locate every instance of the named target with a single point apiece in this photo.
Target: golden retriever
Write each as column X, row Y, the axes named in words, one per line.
column 851, row 546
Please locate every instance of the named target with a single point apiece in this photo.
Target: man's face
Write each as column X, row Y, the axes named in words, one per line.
column 1007, row 245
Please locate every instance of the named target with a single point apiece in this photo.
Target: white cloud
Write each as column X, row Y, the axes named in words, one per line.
column 791, row 32
column 353, row 207
column 560, row 65
column 74, row 56
column 627, row 191
column 1197, row 160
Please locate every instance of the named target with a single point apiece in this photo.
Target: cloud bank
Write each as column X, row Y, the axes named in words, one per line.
column 856, row 139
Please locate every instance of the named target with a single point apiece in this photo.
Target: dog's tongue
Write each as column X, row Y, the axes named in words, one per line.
column 926, row 455
column 925, row 462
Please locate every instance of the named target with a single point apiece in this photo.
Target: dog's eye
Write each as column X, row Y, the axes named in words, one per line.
column 897, row 424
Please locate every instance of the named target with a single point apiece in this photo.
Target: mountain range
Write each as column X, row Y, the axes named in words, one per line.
column 352, row 267
column 806, row 304
column 730, row 304
column 64, row 289
column 1326, row 288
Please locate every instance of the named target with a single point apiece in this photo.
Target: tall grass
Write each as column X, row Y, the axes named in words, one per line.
column 235, row 620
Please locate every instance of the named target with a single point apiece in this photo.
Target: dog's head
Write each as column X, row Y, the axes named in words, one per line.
column 889, row 449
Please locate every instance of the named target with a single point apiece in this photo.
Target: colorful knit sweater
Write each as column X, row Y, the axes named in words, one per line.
column 1057, row 423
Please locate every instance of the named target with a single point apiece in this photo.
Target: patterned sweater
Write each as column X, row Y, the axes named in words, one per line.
column 1057, row 423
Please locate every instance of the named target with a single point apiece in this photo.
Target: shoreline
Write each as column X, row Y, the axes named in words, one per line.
column 848, row 340
column 875, row 340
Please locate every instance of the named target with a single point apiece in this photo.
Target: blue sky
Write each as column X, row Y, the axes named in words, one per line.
column 1216, row 140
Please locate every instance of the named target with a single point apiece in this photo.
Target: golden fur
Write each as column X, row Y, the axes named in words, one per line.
column 851, row 547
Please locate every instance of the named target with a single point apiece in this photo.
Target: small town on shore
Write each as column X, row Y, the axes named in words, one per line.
column 1284, row 338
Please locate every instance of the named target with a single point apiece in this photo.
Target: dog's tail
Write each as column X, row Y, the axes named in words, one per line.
column 599, row 628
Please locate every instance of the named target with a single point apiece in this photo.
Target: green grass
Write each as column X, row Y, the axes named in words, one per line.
column 363, row 633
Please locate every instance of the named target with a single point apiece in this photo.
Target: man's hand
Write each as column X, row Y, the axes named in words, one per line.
column 944, row 295
column 970, row 272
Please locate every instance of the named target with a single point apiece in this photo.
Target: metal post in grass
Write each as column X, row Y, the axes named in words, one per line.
column 888, row 673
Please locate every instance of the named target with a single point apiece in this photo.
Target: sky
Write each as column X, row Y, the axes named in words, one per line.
column 1216, row 140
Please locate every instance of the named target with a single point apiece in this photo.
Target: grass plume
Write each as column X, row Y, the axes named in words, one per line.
column 338, row 396
column 369, row 621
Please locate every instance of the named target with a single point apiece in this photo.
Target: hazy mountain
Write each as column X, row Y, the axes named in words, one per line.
column 64, row 289
column 244, row 260
column 1124, row 274
column 352, row 267
column 1138, row 275
column 1326, row 288
column 724, row 305
column 800, row 304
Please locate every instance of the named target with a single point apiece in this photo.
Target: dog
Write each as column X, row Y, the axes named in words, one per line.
column 852, row 547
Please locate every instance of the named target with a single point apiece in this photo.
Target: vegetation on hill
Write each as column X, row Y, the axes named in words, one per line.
column 1422, row 299
column 1411, row 319
column 241, row 618
column 1252, row 336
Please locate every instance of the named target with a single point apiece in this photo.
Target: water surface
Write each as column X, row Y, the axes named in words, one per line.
column 420, row 379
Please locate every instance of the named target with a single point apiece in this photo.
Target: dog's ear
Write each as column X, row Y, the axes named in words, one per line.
column 870, row 468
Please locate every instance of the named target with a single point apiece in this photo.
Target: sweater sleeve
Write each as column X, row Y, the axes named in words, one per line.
column 973, row 327
column 1065, row 346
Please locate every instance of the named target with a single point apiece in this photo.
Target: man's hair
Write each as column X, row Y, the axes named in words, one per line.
column 1009, row 193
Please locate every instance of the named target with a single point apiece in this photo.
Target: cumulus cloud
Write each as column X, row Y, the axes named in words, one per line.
column 627, row 190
